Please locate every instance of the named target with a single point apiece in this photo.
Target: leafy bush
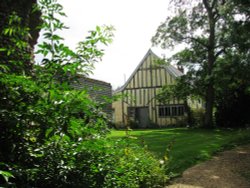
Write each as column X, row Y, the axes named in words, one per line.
column 53, row 135
column 96, row 163
column 134, row 167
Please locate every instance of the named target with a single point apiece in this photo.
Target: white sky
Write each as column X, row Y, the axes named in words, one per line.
column 135, row 22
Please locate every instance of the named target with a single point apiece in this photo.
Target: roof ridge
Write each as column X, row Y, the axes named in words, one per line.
column 137, row 67
column 169, row 68
column 92, row 79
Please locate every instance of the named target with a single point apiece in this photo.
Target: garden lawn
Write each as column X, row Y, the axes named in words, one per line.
column 187, row 146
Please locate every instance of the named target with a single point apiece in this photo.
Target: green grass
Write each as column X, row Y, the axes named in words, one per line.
column 188, row 146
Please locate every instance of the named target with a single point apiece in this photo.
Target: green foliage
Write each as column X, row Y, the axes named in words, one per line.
column 232, row 93
column 92, row 163
column 53, row 135
column 198, row 117
column 181, row 91
column 14, row 43
column 210, row 31
column 232, row 72
column 6, row 175
column 117, row 164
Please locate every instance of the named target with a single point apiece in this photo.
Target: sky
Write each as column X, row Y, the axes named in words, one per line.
column 135, row 23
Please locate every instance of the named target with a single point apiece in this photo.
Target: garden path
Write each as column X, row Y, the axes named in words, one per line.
column 228, row 169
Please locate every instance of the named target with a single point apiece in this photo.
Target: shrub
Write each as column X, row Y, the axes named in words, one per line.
column 93, row 163
column 134, row 167
column 53, row 135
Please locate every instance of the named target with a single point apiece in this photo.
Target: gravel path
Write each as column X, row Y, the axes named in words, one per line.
column 229, row 169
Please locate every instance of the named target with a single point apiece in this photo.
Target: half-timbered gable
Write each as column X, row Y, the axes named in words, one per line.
column 139, row 105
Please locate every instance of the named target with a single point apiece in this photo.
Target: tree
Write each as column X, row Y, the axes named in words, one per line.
column 232, row 73
column 203, row 26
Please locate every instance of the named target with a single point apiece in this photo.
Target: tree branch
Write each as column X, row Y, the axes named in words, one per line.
column 213, row 4
column 207, row 5
column 200, row 42
column 197, row 40
column 209, row 9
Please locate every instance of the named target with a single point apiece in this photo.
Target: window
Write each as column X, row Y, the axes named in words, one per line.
column 171, row 110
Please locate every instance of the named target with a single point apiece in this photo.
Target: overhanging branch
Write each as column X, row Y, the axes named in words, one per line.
column 196, row 40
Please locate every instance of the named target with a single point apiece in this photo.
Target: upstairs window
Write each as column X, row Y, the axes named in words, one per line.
column 171, row 110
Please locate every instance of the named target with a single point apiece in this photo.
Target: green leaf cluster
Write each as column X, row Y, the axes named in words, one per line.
column 215, row 55
column 52, row 135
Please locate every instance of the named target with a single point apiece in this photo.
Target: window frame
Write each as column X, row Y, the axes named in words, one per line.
column 172, row 110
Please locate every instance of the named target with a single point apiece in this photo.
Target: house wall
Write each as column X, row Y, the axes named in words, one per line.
column 117, row 113
column 140, row 92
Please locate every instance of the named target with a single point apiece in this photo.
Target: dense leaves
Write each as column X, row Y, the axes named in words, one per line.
column 210, row 31
column 52, row 135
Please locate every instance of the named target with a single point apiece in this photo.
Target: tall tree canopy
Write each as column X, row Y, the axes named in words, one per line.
column 207, row 28
column 233, row 72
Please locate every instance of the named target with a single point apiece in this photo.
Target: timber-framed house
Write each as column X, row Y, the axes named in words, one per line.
column 139, row 107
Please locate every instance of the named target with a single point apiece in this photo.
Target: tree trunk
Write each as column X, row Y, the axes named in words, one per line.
column 208, row 120
column 209, row 96
column 30, row 19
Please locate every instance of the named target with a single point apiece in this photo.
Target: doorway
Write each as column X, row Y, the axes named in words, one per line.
column 142, row 117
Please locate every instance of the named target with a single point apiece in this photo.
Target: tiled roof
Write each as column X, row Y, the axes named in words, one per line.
column 173, row 71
